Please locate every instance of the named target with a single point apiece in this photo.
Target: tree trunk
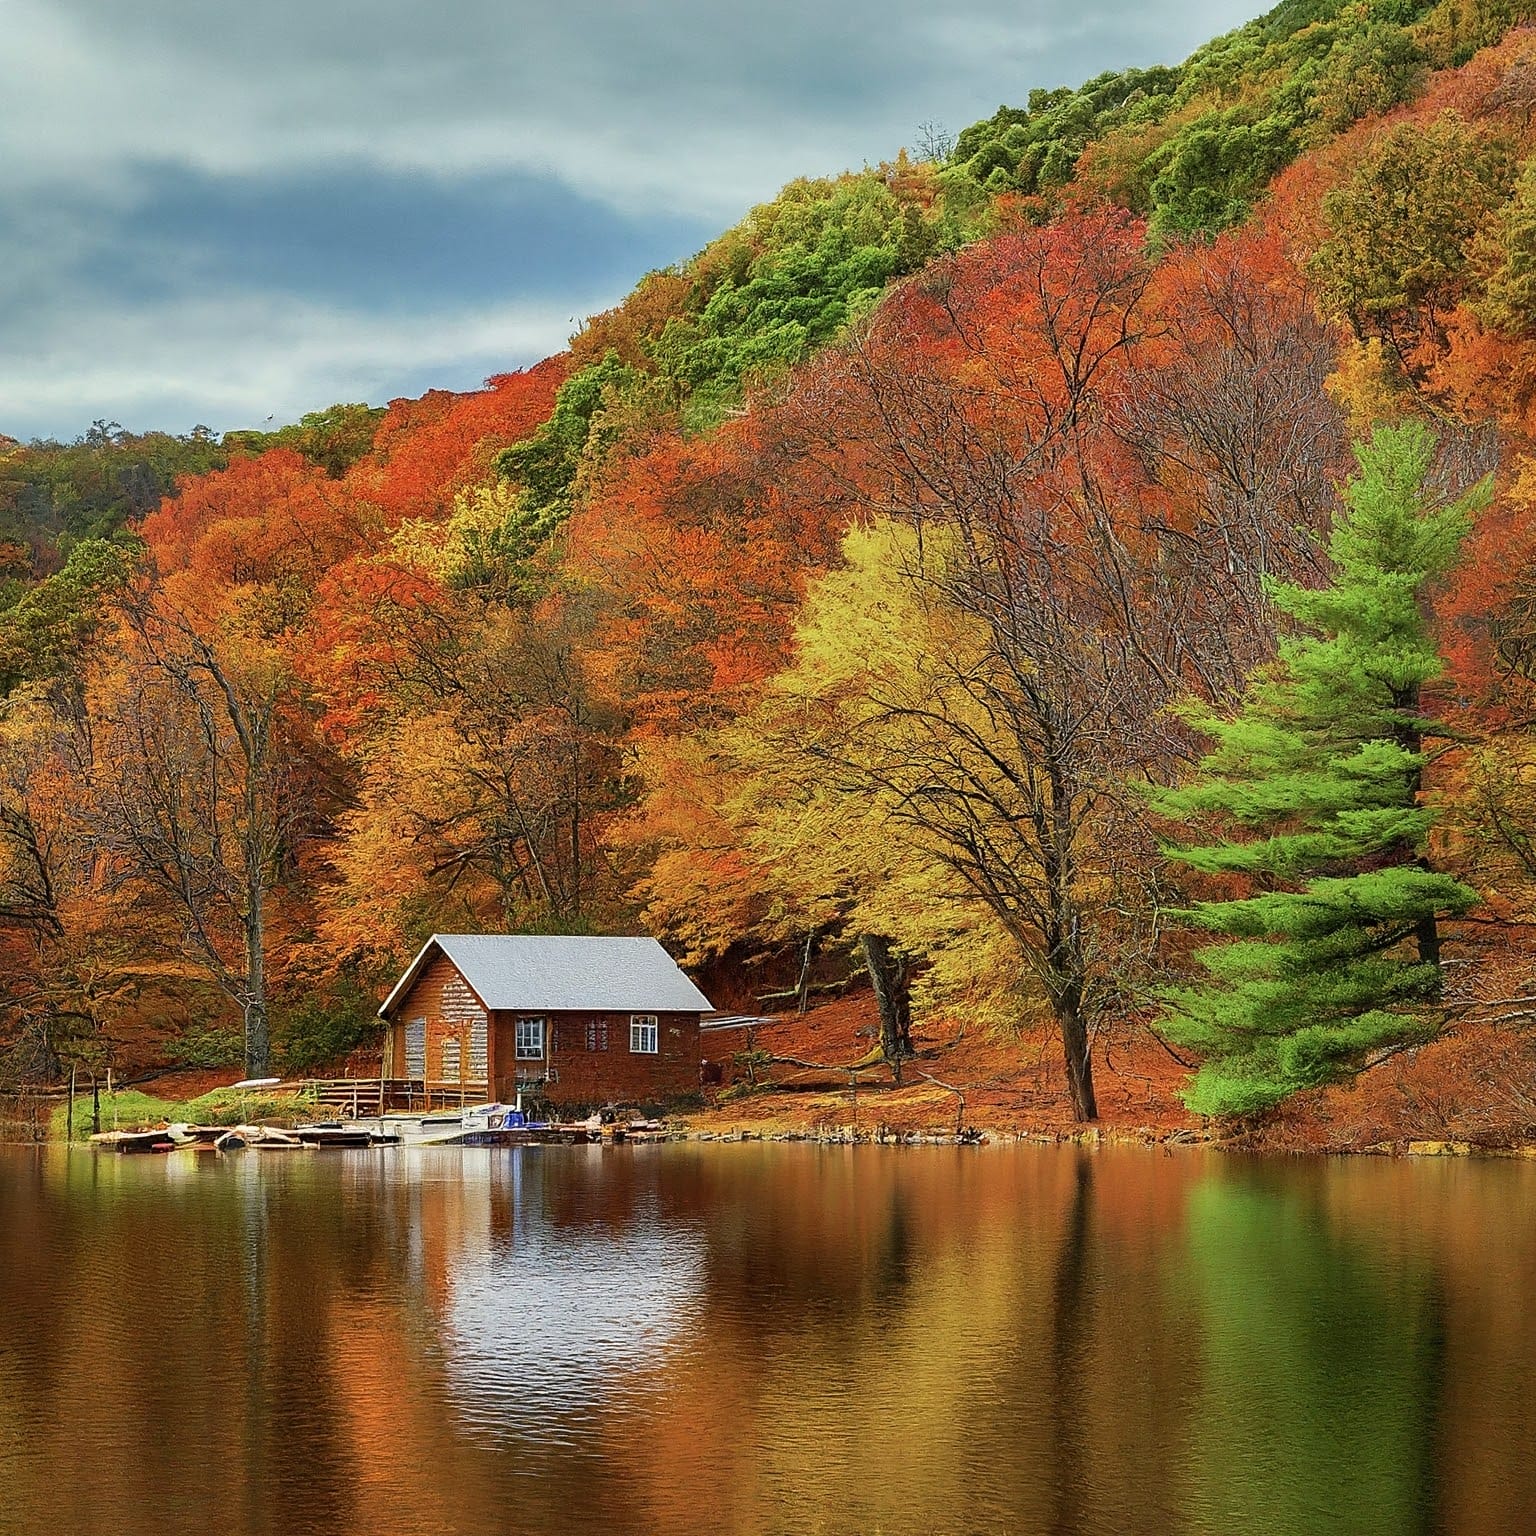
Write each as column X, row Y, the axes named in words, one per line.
column 1067, row 980
column 1066, row 963
column 1078, row 1053
column 888, row 976
column 1411, row 738
column 258, row 1045
column 803, row 985
column 1428, row 935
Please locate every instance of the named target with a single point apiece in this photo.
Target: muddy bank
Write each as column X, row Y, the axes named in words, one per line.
column 1464, row 1094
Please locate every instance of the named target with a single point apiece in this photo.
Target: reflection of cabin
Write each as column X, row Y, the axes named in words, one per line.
column 580, row 1020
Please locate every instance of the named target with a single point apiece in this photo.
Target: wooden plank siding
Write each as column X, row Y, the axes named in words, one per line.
column 588, row 1060
column 457, row 1028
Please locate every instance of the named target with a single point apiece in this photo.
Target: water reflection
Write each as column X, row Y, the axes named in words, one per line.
column 1320, row 1369
column 762, row 1339
column 546, row 1318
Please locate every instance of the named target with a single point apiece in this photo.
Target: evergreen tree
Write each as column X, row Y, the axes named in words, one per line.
column 1314, row 787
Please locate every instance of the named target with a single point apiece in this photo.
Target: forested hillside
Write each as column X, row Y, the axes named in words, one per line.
column 960, row 570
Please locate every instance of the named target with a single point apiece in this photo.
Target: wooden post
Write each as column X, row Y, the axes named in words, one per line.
column 69, row 1123
column 111, row 1095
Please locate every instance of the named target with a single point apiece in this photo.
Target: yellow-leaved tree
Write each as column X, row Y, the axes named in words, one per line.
column 942, row 793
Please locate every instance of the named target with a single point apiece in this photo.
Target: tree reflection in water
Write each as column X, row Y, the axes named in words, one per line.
column 763, row 1339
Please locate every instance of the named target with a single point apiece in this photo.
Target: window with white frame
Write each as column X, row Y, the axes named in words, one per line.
column 530, row 1040
column 643, row 1033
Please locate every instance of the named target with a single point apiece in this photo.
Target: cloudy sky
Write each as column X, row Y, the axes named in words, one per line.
column 219, row 213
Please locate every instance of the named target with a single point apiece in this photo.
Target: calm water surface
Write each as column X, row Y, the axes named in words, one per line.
column 765, row 1339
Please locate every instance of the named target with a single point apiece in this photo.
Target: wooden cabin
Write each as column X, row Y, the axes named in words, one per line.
column 577, row 1021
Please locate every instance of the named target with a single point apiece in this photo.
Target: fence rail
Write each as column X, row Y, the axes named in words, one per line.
column 350, row 1097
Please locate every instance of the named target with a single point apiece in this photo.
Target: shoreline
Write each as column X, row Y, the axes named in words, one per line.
column 966, row 1086
column 1094, row 1137
column 1088, row 1138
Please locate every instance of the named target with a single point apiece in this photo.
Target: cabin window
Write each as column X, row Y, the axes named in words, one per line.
column 597, row 1034
column 643, row 1033
column 416, row 1049
column 530, row 1039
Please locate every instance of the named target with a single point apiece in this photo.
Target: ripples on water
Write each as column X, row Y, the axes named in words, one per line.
column 765, row 1339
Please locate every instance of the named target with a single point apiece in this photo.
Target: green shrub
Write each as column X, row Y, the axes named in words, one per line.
column 317, row 1029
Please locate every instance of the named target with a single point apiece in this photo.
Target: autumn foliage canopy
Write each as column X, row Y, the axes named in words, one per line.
column 869, row 588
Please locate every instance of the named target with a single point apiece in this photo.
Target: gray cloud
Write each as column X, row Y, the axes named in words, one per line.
column 694, row 105
column 675, row 118
column 235, row 359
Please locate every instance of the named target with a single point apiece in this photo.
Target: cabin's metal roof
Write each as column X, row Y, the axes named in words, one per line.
column 536, row 973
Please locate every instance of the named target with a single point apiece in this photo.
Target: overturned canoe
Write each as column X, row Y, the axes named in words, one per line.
column 258, row 1138
column 335, row 1135
column 132, row 1141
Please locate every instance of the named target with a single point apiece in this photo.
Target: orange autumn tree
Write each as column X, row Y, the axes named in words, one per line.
column 484, row 789
column 1486, row 613
column 1229, row 420
column 206, row 777
column 697, row 552
column 429, row 456
column 485, row 758
column 42, row 880
column 428, row 450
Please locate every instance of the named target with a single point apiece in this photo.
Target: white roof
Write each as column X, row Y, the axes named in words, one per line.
column 536, row 973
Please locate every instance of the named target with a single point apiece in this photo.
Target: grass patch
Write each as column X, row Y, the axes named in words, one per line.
column 130, row 1110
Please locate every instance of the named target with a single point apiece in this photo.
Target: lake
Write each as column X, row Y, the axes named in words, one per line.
column 760, row 1338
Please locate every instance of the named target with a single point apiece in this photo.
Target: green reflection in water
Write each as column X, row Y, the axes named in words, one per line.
column 1320, row 1368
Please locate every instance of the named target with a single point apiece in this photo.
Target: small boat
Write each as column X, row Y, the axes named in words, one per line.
column 185, row 1135
column 258, row 1138
column 132, row 1141
column 334, row 1134
column 478, row 1125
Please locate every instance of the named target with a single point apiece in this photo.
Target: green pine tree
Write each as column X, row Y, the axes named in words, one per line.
column 1314, row 792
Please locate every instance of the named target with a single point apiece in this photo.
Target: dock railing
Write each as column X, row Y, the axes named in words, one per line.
column 348, row 1098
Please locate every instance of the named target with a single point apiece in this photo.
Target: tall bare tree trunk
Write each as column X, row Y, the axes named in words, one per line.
column 888, row 976
column 1079, row 1055
column 258, row 1044
column 803, row 985
column 1067, row 982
